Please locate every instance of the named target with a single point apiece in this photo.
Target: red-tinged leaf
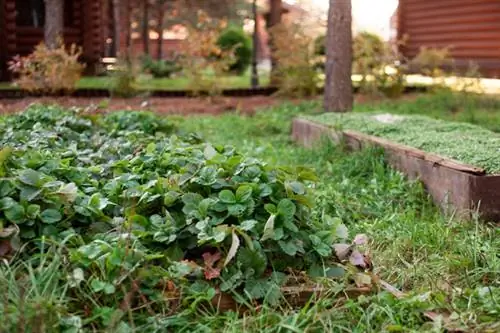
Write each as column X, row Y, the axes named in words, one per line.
column 360, row 239
column 357, row 259
column 341, row 250
column 5, row 247
column 209, row 260
column 211, row 273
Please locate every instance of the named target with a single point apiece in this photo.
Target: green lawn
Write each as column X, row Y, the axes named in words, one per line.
column 175, row 83
column 447, row 266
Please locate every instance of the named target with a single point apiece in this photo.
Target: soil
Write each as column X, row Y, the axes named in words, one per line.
column 247, row 105
column 182, row 106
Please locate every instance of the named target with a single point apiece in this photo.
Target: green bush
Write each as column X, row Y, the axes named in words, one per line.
column 160, row 68
column 237, row 39
column 320, row 45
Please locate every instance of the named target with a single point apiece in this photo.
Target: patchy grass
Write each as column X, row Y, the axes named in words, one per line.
column 446, row 266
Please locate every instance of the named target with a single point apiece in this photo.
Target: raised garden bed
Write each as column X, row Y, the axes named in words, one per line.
column 457, row 186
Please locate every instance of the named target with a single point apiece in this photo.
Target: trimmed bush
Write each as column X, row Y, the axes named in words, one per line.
column 237, row 39
column 160, row 68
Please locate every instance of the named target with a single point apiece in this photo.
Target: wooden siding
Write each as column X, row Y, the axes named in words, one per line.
column 471, row 29
column 86, row 30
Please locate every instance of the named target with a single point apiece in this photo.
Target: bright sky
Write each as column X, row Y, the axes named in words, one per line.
column 371, row 15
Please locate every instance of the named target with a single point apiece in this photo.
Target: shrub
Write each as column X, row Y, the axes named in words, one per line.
column 160, row 68
column 296, row 73
column 48, row 71
column 124, row 79
column 430, row 61
column 202, row 60
column 236, row 39
column 369, row 54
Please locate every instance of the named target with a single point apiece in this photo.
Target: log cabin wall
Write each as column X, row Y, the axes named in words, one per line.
column 470, row 28
column 19, row 34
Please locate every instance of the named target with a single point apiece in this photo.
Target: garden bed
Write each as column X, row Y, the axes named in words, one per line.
column 455, row 185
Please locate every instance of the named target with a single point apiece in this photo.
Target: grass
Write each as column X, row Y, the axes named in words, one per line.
column 447, row 266
column 463, row 142
column 175, row 83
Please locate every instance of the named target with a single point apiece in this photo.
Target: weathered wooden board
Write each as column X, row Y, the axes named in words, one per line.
column 456, row 187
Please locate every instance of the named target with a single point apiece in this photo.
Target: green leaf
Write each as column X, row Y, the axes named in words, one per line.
column 297, row 187
column 29, row 193
column 248, row 225
column 15, row 213
column 69, row 192
column 50, row 216
column 335, row 272
column 6, row 203
column 31, row 177
column 268, row 228
column 233, row 249
column 170, row 198
column 342, row 232
column 286, row 209
column 243, row 193
column 226, row 196
column 209, row 152
column 139, row 220
column 271, row 209
column 288, row 247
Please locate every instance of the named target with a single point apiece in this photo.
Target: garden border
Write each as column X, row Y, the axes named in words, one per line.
column 456, row 187
column 15, row 93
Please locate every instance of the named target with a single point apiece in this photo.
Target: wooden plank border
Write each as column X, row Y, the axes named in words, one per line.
column 456, row 187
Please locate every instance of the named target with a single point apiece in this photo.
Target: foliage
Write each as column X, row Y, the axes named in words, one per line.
column 430, row 61
column 235, row 39
column 202, row 59
column 296, row 74
column 381, row 69
column 320, row 45
column 463, row 142
column 446, row 266
column 124, row 79
column 47, row 70
column 160, row 68
column 140, row 210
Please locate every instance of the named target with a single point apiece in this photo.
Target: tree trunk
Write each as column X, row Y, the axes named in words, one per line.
column 255, row 75
column 161, row 17
column 116, row 27
column 275, row 9
column 53, row 29
column 338, row 85
column 145, row 26
column 128, row 31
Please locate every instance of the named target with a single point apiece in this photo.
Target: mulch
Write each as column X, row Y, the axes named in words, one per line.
column 179, row 105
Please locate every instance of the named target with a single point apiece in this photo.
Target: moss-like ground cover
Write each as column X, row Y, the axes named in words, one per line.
column 463, row 142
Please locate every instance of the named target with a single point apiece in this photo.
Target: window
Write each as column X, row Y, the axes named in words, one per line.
column 30, row 13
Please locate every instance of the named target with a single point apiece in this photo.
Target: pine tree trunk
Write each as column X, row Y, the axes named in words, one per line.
column 161, row 16
column 53, row 29
column 275, row 8
column 145, row 27
column 116, row 27
column 338, row 85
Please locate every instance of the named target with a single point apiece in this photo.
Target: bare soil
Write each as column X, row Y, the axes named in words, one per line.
column 180, row 106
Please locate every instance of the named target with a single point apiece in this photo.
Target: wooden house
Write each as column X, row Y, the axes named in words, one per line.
column 21, row 28
column 470, row 28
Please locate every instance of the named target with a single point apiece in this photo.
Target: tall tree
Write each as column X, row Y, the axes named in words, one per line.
column 145, row 26
column 116, row 27
column 274, row 19
column 254, row 80
column 54, row 19
column 338, row 85
column 160, row 10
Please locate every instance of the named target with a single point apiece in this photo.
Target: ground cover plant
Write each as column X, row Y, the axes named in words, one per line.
column 463, row 142
column 113, row 218
column 445, row 266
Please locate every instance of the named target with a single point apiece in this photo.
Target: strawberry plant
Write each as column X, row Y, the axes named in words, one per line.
column 143, row 204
